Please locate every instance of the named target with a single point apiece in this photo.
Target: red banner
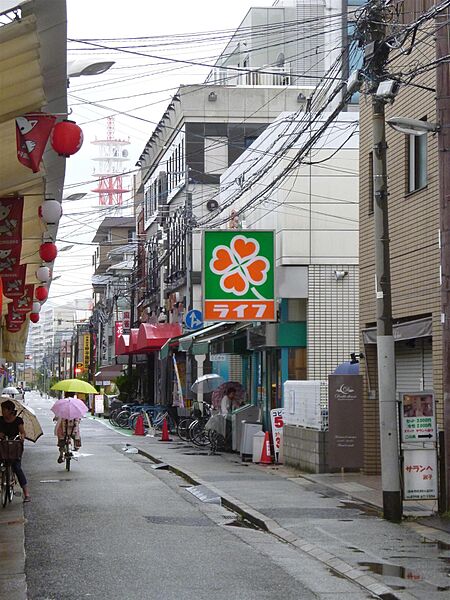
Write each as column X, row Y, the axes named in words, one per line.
column 13, row 316
column 32, row 133
column 11, row 213
column 24, row 304
column 14, row 284
column 118, row 331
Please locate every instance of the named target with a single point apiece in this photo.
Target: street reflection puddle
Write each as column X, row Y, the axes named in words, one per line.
column 391, row 570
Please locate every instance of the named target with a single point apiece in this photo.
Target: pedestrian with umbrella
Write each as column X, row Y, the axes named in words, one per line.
column 11, row 427
column 68, row 412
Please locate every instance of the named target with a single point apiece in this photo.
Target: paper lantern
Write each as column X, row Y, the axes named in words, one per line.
column 66, row 138
column 50, row 212
column 36, row 307
column 48, row 251
column 43, row 274
column 34, row 318
column 41, row 293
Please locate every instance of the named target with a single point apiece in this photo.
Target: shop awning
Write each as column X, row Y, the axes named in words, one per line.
column 33, row 77
column 123, row 344
column 152, row 337
column 403, row 331
column 127, row 343
column 108, row 373
column 198, row 341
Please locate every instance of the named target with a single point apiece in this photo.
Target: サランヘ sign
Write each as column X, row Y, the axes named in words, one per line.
column 238, row 275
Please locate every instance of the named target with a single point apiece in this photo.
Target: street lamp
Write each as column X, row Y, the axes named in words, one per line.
column 412, row 126
column 81, row 67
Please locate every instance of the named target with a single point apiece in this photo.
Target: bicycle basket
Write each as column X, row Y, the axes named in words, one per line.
column 11, row 449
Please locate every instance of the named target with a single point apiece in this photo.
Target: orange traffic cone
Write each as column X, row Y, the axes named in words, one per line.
column 165, row 432
column 139, row 428
column 266, row 457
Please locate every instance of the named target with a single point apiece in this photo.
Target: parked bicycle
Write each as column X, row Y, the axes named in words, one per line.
column 10, row 451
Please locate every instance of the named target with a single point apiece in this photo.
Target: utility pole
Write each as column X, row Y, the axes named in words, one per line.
column 443, row 114
column 376, row 57
column 189, row 292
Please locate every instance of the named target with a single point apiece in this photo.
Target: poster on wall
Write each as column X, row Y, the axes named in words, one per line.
column 238, row 275
column 418, row 417
column 420, row 474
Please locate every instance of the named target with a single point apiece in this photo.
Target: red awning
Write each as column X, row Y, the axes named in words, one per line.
column 133, row 340
column 153, row 337
column 127, row 343
column 123, row 344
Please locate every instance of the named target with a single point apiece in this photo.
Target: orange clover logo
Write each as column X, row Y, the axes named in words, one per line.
column 240, row 266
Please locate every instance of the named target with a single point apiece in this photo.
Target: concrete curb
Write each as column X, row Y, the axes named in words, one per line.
column 335, row 564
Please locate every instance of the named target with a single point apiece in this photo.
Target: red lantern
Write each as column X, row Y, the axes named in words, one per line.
column 41, row 293
column 34, row 317
column 66, row 138
column 48, row 251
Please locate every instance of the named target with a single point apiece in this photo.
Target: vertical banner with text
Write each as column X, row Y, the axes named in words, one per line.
column 238, row 275
column 86, row 351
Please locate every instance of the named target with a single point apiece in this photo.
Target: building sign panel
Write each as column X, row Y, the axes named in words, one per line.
column 345, row 434
column 277, row 422
column 118, row 331
column 418, row 417
column 420, row 474
column 238, row 275
column 86, row 350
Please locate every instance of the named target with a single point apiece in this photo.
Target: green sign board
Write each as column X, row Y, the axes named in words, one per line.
column 238, row 275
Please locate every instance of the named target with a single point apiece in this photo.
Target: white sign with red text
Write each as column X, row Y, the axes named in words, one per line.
column 420, row 474
column 277, row 420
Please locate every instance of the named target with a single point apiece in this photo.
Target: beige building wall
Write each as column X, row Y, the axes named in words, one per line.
column 414, row 234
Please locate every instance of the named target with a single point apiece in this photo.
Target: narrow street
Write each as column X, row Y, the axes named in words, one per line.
column 115, row 528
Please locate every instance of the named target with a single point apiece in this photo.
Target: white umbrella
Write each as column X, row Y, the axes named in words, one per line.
column 33, row 429
column 10, row 390
column 207, row 383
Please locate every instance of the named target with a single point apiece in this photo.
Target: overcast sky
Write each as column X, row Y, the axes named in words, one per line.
column 136, row 85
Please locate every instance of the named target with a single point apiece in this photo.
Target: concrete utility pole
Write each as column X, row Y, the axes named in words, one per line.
column 189, row 292
column 443, row 114
column 376, row 56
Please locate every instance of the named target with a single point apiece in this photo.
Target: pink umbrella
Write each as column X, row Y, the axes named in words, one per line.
column 220, row 392
column 69, row 408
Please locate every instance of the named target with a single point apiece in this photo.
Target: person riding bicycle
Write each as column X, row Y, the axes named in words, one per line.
column 11, row 426
column 67, row 428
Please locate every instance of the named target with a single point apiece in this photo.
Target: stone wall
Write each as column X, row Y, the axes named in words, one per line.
column 305, row 449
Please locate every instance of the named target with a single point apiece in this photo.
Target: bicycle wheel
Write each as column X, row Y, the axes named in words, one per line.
column 12, row 483
column 5, row 485
column 67, row 456
column 198, row 435
column 122, row 418
column 183, row 428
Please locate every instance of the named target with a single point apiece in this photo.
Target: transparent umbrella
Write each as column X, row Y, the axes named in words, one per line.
column 207, row 383
column 10, row 390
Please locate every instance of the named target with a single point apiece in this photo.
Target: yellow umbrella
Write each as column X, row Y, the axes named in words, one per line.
column 75, row 386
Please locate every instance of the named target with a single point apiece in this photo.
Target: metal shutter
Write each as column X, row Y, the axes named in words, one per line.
column 413, row 365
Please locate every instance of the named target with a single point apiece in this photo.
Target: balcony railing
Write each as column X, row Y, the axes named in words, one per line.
column 274, row 76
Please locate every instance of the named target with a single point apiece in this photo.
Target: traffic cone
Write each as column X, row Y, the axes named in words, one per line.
column 266, row 457
column 165, row 432
column 139, row 428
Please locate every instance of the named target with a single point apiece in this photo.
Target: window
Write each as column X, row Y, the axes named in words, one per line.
column 216, row 155
column 417, row 161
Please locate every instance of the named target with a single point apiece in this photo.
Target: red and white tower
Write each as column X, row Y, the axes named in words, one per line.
column 111, row 166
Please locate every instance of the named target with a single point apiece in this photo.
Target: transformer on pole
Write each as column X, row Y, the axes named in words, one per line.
column 111, row 165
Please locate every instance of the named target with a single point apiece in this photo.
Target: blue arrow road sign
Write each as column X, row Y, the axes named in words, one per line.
column 194, row 319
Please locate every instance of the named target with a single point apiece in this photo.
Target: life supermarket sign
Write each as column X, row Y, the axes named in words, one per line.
column 238, row 275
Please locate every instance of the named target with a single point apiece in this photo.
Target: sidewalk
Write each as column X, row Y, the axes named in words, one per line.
column 332, row 517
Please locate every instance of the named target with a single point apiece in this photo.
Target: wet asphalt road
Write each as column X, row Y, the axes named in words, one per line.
column 114, row 528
